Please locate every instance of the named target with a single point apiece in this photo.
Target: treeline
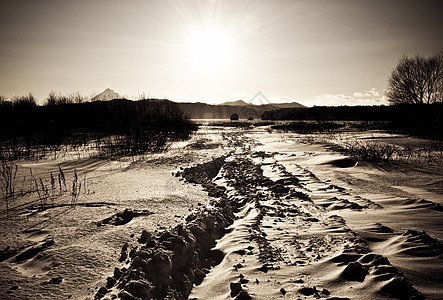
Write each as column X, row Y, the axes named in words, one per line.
column 118, row 127
column 418, row 120
column 52, row 99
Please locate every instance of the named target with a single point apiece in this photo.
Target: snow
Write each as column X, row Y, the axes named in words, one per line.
column 106, row 95
column 372, row 210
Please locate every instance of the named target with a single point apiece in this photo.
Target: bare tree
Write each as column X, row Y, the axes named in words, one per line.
column 24, row 101
column 52, row 99
column 59, row 99
column 77, row 97
column 3, row 100
column 434, row 70
column 416, row 80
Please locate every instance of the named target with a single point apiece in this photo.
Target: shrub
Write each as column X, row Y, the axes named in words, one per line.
column 234, row 117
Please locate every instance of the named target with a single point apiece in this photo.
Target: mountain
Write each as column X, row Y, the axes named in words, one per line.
column 106, row 95
column 235, row 103
column 268, row 105
column 214, row 111
column 274, row 106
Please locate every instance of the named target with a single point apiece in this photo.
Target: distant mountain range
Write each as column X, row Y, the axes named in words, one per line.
column 214, row 111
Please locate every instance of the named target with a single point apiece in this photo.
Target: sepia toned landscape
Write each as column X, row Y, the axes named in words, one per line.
column 237, row 150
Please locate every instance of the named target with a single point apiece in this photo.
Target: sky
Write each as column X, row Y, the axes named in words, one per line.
column 314, row 52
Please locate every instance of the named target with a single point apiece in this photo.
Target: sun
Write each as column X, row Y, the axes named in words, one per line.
column 209, row 49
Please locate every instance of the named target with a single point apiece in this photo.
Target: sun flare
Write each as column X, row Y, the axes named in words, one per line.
column 209, row 49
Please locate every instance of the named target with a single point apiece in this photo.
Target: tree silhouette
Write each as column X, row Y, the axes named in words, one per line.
column 234, row 117
column 416, row 80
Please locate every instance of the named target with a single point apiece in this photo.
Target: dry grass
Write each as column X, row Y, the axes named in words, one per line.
column 429, row 152
column 38, row 192
column 8, row 175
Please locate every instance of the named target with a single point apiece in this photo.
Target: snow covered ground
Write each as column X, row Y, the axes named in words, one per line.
column 309, row 222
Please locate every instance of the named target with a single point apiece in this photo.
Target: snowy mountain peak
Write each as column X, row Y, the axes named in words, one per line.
column 106, row 95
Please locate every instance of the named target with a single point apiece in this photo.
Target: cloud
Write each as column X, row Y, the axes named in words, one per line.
column 331, row 99
column 287, row 100
column 371, row 93
column 374, row 92
column 368, row 97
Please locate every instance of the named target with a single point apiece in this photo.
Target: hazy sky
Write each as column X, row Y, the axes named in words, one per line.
column 327, row 52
